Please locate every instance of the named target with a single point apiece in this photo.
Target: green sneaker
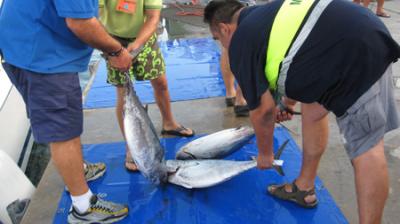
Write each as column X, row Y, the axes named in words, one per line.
column 94, row 170
column 100, row 211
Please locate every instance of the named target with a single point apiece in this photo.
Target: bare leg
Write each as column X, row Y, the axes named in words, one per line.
column 67, row 157
column 379, row 8
column 366, row 3
column 372, row 183
column 119, row 108
column 161, row 95
column 119, row 112
column 227, row 75
column 229, row 80
column 357, row 1
column 315, row 137
column 239, row 97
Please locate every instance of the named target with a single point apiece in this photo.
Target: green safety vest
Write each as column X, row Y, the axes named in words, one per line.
column 286, row 25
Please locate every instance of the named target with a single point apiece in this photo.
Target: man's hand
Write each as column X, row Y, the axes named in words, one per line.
column 133, row 48
column 282, row 115
column 121, row 62
column 285, row 115
column 265, row 161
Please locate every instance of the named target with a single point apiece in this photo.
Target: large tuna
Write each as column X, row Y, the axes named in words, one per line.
column 216, row 145
column 142, row 139
column 206, row 173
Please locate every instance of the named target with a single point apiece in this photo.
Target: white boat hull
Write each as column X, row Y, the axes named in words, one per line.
column 15, row 138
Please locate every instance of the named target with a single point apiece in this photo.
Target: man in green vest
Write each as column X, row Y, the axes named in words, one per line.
column 133, row 23
column 332, row 56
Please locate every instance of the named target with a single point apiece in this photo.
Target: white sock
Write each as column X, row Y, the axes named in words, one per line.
column 82, row 202
column 84, row 165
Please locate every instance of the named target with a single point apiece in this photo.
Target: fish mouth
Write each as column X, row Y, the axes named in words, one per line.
column 185, row 156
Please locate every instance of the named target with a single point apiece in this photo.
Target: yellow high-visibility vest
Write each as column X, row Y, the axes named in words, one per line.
column 287, row 23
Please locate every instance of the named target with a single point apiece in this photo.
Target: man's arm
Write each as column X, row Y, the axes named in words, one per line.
column 263, row 120
column 93, row 33
column 147, row 30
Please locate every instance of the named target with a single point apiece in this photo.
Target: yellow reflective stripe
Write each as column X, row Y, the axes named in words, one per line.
column 286, row 23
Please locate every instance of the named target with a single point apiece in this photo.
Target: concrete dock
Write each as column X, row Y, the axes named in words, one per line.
column 210, row 115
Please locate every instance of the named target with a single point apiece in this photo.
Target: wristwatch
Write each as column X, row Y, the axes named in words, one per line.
column 115, row 53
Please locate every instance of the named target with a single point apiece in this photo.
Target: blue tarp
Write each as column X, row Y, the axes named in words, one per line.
column 240, row 200
column 192, row 72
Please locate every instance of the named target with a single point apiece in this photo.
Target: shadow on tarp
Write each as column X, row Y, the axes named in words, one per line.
column 192, row 72
column 240, row 200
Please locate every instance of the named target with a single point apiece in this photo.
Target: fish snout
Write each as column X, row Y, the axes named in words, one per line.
column 245, row 131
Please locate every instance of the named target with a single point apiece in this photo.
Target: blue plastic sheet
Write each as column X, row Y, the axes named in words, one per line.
column 242, row 199
column 192, row 68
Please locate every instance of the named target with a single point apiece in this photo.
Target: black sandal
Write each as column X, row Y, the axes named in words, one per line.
column 230, row 101
column 297, row 196
column 241, row 110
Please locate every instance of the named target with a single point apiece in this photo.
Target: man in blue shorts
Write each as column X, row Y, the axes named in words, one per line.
column 44, row 44
column 330, row 55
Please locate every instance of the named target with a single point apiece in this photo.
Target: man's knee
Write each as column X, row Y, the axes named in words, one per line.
column 375, row 156
column 313, row 112
column 160, row 83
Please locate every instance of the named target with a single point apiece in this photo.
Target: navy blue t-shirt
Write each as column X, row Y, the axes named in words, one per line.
column 347, row 51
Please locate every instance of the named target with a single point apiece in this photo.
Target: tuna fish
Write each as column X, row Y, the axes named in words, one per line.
column 216, row 145
column 142, row 139
column 207, row 173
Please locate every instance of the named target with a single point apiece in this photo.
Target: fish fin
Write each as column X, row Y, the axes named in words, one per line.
column 187, row 186
column 279, row 170
column 172, row 170
column 280, row 150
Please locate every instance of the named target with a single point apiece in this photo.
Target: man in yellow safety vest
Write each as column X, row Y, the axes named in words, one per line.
column 332, row 56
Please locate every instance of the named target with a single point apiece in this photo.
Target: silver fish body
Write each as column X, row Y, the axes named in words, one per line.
column 142, row 139
column 216, row 145
column 205, row 173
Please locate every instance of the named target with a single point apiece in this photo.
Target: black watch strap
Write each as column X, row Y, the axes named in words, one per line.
column 116, row 53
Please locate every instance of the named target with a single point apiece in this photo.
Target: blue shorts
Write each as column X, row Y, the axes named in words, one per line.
column 53, row 103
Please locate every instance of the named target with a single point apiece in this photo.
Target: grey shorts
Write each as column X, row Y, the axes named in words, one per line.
column 365, row 123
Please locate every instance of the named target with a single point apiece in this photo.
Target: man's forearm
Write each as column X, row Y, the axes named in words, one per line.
column 148, row 28
column 93, row 33
column 263, row 120
column 263, row 125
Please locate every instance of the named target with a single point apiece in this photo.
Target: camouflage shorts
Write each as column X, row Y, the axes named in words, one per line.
column 149, row 64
